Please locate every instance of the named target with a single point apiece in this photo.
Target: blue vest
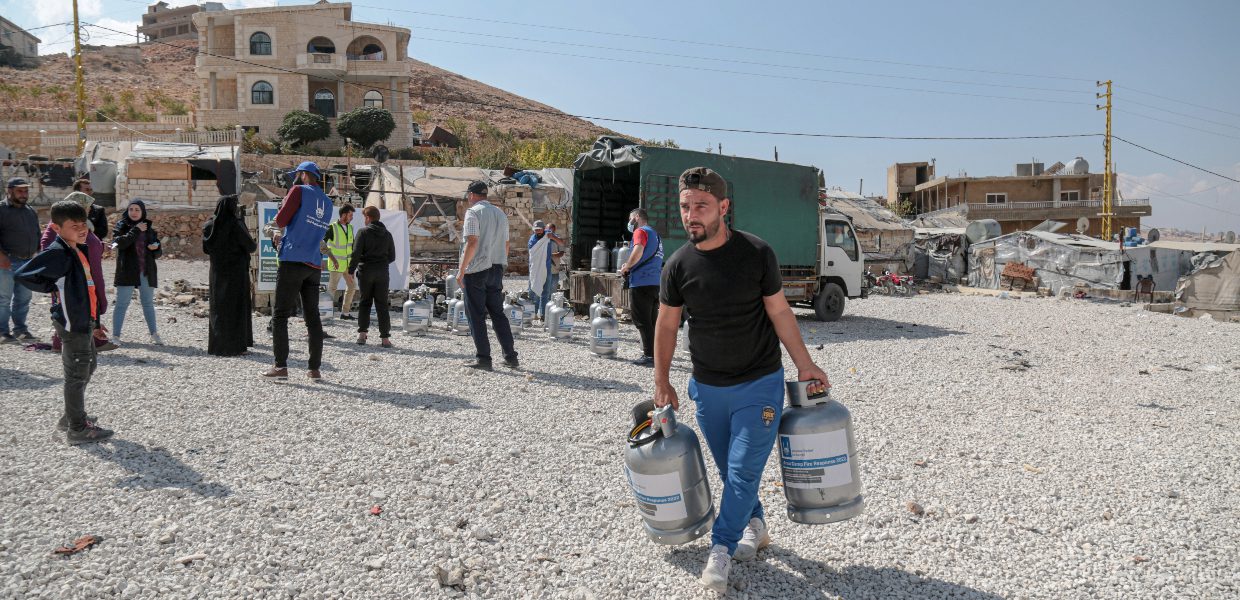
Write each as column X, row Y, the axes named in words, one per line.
column 649, row 273
column 305, row 232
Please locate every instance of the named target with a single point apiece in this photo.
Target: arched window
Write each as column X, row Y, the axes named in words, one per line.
column 321, row 45
column 373, row 99
column 260, row 44
column 262, row 93
column 325, row 103
column 366, row 47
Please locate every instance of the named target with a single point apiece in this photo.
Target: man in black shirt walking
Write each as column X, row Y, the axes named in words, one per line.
column 729, row 283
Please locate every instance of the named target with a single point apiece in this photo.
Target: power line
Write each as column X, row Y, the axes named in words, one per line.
column 705, row 128
column 1144, row 116
column 1182, row 198
column 719, row 45
column 745, row 62
column 1159, row 108
column 1226, row 112
column 750, row 74
column 1174, row 159
column 29, row 29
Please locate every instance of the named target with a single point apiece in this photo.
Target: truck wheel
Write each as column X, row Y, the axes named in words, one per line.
column 829, row 304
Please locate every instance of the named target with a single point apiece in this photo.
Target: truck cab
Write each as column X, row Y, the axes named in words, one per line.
column 839, row 273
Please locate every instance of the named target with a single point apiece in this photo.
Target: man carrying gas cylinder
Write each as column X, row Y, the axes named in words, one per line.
column 729, row 283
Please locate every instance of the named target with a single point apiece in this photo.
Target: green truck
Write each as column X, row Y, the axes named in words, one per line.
column 819, row 255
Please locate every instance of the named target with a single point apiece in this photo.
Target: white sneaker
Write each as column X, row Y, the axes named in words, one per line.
column 715, row 575
column 155, row 339
column 756, row 538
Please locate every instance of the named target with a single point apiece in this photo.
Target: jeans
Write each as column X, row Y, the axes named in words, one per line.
column 295, row 281
column 77, row 353
column 484, row 296
column 350, row 289
column 14, row 300
column 644, row 301
column 740, row 441
column 124, row 294
column 553, row 281
column 374, row 287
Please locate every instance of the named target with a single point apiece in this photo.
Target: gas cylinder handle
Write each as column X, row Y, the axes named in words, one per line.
column 664, row 418
column 798, row 393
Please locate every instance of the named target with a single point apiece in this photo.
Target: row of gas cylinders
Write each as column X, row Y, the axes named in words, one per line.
column 559, row 322
column 817, row 459
column 608, row 260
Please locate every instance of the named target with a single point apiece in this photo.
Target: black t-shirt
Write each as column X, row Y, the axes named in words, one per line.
column 731, row 338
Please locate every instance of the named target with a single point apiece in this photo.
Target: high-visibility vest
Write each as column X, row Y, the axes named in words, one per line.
column 340, row 246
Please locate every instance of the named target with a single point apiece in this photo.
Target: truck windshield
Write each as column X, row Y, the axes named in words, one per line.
column 840, row 235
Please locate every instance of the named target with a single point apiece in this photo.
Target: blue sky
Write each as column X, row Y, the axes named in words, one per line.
column 785, row 79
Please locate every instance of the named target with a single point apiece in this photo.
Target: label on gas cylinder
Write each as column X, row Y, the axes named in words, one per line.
column 815, row 460
column 566, row 323
column 659, row 497
column 606, row 339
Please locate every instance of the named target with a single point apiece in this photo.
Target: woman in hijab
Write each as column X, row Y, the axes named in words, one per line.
column 137, row 247
column 226, row 240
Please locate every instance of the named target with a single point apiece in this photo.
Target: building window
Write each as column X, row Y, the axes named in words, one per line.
column 996, row 198
column 260, row 44
column 261, row 93
column 1070, row 196
column 321, row 45
column 373, row 99
column 325, row 103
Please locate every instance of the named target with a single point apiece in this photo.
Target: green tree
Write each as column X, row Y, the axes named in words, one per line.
column 668, row 143
column 365, row 126
column 302, row 127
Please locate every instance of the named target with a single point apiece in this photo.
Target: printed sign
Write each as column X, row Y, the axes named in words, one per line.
column 659, row 497
column 815, row 460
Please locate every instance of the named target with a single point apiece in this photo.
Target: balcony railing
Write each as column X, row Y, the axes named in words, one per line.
column 1061, row 204
column 318, row 61
column 375, row 56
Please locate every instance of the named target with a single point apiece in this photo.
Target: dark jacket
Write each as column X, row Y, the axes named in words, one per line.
column 373, row 248
column 125, row 235
column 58, row 271
column 98, row 222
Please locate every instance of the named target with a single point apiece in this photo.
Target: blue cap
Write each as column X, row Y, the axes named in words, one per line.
column 309, row 167
column 18, row 182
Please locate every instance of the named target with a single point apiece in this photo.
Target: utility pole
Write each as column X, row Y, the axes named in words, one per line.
column 79, row 83
column 1107, row 192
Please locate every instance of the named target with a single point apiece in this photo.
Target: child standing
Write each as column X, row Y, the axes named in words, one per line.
column 137, row 247
column 63, row 271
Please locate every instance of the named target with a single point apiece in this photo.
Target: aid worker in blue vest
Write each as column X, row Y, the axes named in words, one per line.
column 338, row 246
column 642, row 275
column 304, row 216
column 729, row 284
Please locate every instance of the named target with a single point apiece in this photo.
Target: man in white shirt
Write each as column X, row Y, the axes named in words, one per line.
column 481, row 276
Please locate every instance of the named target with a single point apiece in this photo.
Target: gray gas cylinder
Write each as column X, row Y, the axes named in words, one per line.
column 597, row 304
column 599, row 257
column 460, row 324
column 529, row 308
column 614, row 260
column 327, row 311
column 418, row 312
column 605, row 331
column 450, row 321
column 665, row 470
column 515, row 314
column 560, row 319
column 557, row 299
column 622, row 256
column 818, row 458
column 450, row 286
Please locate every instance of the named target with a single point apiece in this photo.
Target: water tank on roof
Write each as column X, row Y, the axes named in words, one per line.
column 1076, row 166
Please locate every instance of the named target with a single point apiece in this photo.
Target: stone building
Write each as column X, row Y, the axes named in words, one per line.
column 17, row 46
column 258, row 64
column 1062, row 192
column 162, row 22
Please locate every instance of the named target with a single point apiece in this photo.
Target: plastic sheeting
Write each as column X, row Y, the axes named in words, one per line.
column 1215, row 287
column 1057, row 264
column 611, row 152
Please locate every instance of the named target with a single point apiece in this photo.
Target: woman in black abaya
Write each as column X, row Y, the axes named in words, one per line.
column 227, row 241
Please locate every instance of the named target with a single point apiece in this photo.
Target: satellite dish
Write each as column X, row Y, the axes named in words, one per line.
column 1153, row 235
column 1229, row 237
column 1082, row 225
column 380, row 153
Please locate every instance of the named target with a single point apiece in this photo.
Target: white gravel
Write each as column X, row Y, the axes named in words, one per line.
column 1075, row 476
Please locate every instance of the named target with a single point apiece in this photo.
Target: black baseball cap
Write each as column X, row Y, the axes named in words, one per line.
column 704, row 179
column 478, row 187
column 18, row 182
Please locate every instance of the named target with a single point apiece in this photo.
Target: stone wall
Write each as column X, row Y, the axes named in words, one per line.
column 180, row 230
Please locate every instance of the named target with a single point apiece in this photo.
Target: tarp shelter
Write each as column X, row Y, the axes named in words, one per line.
column 883, row 234
column 166, row 174
column 1215, row 288
column 939, row 254
column 1059, row 260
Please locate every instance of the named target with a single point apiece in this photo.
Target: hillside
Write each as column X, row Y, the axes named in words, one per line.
column 163, row 80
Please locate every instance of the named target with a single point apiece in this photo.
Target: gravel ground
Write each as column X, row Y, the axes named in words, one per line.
column 1033, row 448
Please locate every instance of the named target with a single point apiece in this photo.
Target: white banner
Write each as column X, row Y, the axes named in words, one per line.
column 397, row 224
